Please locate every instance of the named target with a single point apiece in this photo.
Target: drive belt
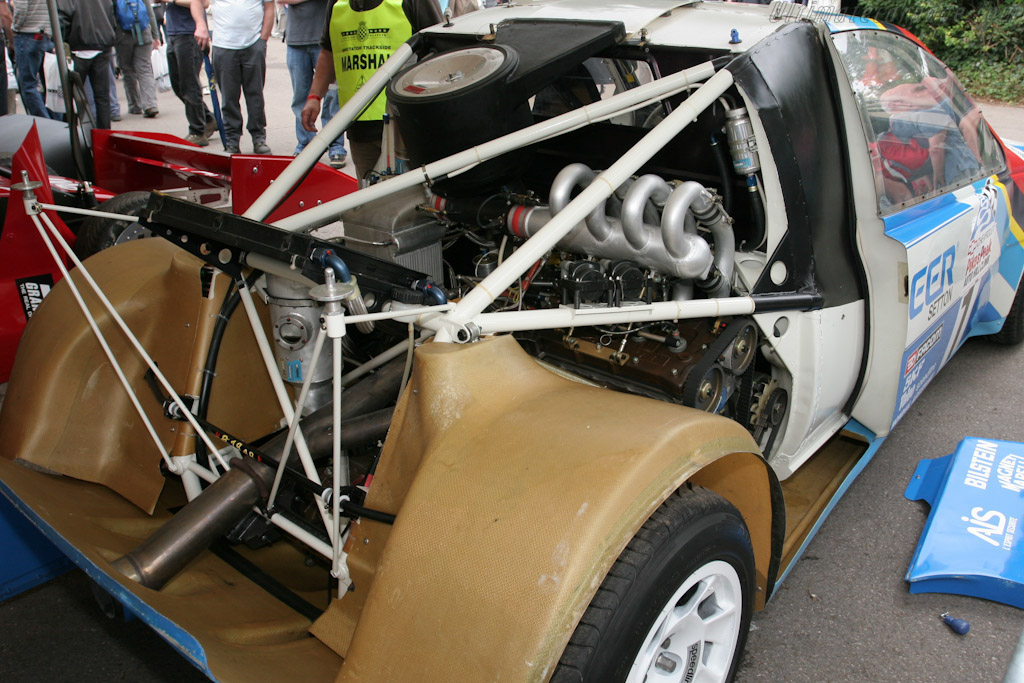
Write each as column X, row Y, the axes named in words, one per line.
column 726, row 335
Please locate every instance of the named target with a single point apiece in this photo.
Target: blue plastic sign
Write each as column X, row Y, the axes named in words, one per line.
column 971, row 541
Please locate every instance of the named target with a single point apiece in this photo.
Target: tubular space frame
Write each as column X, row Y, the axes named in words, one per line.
column 469, row 310
column 51, row 230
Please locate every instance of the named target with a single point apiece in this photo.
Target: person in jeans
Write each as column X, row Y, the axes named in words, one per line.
column 115, row 104
column 239, row 40
column 88, row 28
column 184, row 60
column 6, row 20
column 305, row 23
column 32, row 39
column 135, row 59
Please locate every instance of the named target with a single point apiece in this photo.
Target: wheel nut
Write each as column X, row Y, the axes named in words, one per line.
column 665, row 663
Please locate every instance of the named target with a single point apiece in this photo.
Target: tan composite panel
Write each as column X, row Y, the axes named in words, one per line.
column 245, row 633
column 66, row 411
column 526, row 488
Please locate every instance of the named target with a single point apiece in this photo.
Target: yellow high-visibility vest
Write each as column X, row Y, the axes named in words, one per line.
column 361, row 42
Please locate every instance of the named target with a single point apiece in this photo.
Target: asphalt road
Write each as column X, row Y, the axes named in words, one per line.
column 843, row 614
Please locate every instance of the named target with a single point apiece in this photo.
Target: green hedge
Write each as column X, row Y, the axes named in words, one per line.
column 983, row 41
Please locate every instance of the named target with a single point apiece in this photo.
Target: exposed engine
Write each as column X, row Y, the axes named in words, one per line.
column 671, row 233
column 654, row 240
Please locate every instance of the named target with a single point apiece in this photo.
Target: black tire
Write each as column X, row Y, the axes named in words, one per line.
column 97, row 233
column 1013, row 328
column 694, row 531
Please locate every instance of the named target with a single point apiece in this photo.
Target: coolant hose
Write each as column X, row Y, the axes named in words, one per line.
column 756, row 212
column 328, row 259
column 724, row 171
column 431, row 290
column 708, row 211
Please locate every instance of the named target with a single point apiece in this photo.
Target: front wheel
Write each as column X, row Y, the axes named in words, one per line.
column 676, row 605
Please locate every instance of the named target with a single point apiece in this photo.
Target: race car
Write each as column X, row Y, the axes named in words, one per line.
column 650, row 296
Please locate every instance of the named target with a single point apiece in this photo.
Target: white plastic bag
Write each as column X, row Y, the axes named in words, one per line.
column 161, row 73
column 54, row 94
column 12, row 80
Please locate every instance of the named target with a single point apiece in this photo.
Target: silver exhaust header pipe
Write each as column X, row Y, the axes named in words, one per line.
column 207, row 517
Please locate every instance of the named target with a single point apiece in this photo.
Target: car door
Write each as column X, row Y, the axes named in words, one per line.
column 935, row 166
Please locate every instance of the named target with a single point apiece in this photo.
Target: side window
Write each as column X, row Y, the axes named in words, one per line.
column 924, row 133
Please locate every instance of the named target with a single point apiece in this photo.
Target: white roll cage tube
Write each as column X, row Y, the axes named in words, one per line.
column 50, row 234
column 656, row 90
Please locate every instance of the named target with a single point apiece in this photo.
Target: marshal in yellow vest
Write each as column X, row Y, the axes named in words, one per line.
column 361, row 42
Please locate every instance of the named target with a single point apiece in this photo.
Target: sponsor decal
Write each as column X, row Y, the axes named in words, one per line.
column 921, row 351
column 981, row 249
column 979, row 469
column 692, row 657
column 1010, row 473
column 931, row 288
column 32, row 291
column 992, row 527
column 988, row 202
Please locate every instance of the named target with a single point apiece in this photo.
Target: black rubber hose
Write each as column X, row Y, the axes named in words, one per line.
column 359, row 511
column 209, row 370
column 724, row 172
column 756, row 212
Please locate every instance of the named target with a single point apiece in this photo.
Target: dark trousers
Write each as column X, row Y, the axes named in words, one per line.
column 29, row 54
column 242, row 72
column 97, row 70
column 184, row 60
column 3, row 78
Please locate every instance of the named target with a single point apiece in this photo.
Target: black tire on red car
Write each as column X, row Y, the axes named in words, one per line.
column 98, row 233
column 686, row 573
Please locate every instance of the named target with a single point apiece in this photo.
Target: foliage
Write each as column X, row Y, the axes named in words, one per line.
column 982, row 40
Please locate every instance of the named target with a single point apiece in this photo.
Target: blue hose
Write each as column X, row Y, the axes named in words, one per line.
column 328, row 259
column 431, row 290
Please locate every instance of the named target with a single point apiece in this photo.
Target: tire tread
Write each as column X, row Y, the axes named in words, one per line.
column 97, row 233
column 682, row 507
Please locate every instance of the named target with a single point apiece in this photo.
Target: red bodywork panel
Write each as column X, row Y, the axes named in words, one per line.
column 124, row 162
column 27, row 270
column 253, row 174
